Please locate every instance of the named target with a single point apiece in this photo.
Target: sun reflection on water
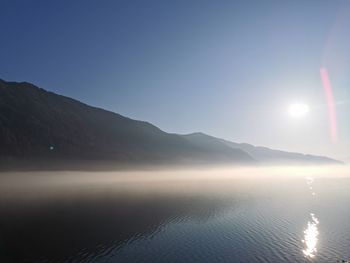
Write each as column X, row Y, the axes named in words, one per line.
column 311, row 237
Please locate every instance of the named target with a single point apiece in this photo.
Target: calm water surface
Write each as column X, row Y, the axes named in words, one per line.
column 302, row 219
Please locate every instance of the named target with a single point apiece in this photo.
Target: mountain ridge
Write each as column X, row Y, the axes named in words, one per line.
column 36, row 124
column 267, row 155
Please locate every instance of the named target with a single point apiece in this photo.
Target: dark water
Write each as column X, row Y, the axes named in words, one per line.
column 236, row 220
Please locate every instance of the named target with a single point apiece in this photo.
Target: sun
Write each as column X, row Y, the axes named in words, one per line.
column 298, row 110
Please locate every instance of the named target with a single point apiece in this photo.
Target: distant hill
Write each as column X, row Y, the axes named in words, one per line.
column 43, row 130
column 40, row 129
column 262, row 154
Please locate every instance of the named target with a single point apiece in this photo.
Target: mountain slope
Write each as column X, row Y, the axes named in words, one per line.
column 210, row 143
column 40, row 125
column 262, row 154
column 49, row 130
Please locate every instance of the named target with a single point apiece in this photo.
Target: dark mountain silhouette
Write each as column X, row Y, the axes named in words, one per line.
column 262, row 154
column 42, row 129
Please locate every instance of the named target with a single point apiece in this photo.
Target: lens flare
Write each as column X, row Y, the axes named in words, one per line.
column 332, row 114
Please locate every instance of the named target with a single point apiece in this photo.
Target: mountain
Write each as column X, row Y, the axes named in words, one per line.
column 262, row 154
column 40, row 129
column 43, row 130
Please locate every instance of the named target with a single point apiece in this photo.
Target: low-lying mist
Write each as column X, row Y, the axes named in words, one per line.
column 179, row 180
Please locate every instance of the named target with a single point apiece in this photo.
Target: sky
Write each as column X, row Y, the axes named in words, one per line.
column 229, row 69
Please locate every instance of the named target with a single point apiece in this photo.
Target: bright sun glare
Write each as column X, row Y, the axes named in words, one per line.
column 298, row 110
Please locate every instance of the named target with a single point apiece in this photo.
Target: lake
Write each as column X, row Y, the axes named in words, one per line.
column 182, row 216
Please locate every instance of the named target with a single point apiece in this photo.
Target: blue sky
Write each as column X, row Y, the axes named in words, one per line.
column 226, row 68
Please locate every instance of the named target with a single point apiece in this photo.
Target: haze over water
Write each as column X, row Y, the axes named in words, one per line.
column 271, row 214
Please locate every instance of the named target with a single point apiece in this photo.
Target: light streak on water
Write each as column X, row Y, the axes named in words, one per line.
column 309, row 182
column 311, row 237
column 311, row 232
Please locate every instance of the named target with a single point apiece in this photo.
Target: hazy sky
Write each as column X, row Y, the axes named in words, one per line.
column 227, row 68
